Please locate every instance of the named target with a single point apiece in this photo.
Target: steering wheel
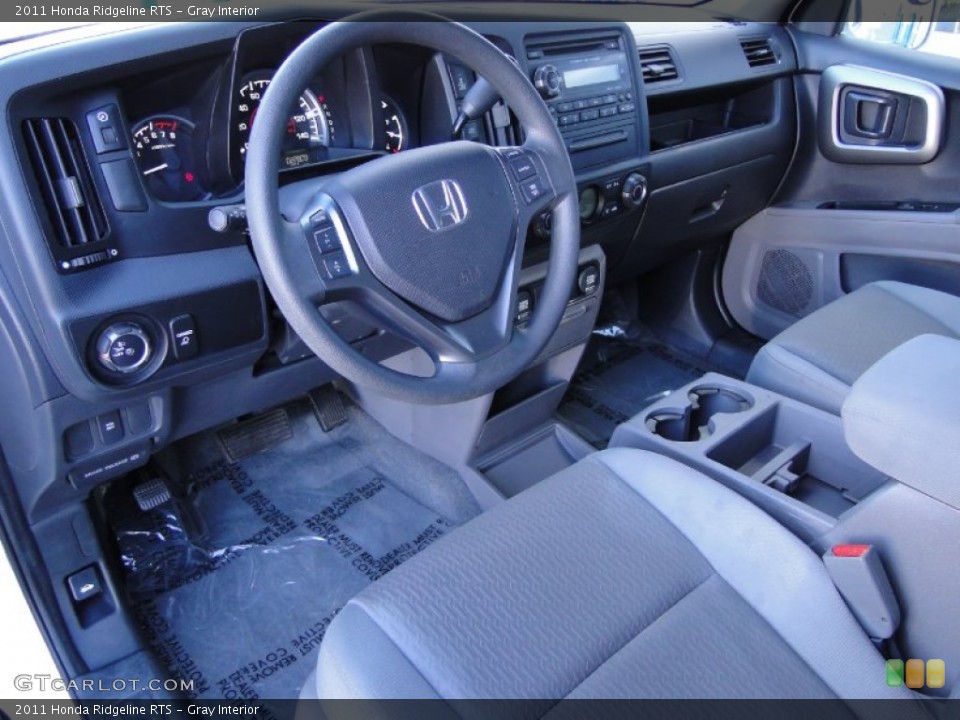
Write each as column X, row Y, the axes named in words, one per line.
column 428, row 241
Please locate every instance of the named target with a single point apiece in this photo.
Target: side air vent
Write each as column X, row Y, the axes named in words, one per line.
column 658, row 65
column 66, row 186
column 759, row 52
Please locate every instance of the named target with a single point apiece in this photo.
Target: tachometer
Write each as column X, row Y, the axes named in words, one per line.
column 396, row 127
column 164, row 149
column 309, row 129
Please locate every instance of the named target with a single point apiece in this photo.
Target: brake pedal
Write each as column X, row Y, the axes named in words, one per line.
column 255, row 435
column 328, row 406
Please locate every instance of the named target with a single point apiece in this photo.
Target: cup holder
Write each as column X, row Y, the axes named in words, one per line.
column 693, row 422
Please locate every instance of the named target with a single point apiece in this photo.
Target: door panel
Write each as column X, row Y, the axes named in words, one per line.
column 853, row 208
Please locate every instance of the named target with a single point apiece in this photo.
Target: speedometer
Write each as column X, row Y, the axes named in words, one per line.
column 310, row 127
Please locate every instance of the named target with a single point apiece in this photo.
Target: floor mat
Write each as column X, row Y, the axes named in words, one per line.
column 278, row 543
column 617, row 379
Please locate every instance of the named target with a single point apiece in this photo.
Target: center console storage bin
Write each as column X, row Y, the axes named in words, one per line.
column 788, row 458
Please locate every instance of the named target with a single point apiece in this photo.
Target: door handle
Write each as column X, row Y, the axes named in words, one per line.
column 868, row 115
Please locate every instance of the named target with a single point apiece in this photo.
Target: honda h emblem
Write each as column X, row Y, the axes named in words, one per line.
column 440, row 205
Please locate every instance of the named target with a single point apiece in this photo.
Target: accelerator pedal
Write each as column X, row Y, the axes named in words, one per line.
column 328, row 406
column 255, row 435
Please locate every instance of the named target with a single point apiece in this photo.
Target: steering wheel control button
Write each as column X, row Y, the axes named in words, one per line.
column 589, row 280
column 106, row 129
column 327, row 240
column 522, row 168
column 183, row 334
column 124, row 348
column 335, row 265
column 110, row 428
column 533, row 189
column 85, row 585
column 524, row 306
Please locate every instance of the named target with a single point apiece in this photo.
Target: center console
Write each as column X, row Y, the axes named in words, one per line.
column 885, row 475
column 789, row 458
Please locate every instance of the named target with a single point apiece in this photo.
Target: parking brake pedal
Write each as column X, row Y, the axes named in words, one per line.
column 155, row 534
column 151, row 494
column 328, row 407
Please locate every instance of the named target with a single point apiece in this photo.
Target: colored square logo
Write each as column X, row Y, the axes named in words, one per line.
column 914, row 674
column 894, row 673
column 936, row 673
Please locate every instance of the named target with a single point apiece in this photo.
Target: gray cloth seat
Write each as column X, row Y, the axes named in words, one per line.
column 818, row 359
column 627, row 575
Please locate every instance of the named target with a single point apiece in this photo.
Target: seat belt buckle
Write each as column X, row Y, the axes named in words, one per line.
column 858, row 574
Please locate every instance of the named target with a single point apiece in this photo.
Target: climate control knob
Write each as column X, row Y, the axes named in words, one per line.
column 124, row 347
column 634, row 191
column 546, row 79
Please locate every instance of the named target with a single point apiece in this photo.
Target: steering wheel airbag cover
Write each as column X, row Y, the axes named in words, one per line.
column 418, row 230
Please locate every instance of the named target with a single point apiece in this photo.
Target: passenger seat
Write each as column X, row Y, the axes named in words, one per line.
column 818, row 359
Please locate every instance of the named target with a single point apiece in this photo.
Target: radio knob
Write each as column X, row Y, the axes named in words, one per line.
column 546, row 79
column 634, row 191
column 124, row 348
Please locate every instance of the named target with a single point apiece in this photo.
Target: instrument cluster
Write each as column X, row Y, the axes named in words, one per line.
column 196, row 150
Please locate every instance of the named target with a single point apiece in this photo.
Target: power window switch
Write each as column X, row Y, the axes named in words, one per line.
column 85, row 584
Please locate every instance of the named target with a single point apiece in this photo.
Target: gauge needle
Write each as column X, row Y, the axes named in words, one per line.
column 158, row 168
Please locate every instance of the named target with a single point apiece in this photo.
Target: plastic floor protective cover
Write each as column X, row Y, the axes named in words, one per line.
column 618, row 378
column 280, row 541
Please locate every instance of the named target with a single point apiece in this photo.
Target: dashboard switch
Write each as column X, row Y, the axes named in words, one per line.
column 124, row 348
column 183, row 331
column 524, row 307
column 589, row 279
column 110, row 427
column 106, row 129
column 85, row 584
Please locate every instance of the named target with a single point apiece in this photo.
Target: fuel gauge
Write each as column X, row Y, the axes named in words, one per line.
column 396, row 126
column 164, row 148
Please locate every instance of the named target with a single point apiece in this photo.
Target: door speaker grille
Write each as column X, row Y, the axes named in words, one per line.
column 786, row 283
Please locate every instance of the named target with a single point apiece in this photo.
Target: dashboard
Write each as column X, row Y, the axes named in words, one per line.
column 120, row 298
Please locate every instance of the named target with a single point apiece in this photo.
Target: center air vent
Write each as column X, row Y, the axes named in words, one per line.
column 66, row 187
column 759, row 52
column 658, row 65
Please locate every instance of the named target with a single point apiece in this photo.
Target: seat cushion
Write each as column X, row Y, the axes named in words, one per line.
column 818, row 359
column 627, row 575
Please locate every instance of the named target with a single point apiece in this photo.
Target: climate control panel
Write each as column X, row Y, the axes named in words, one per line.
column 604, row 199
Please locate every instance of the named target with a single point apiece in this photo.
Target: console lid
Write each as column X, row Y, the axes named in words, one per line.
column 903, row 416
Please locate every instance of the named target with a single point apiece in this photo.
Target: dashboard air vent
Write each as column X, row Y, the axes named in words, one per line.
column 759, row 52
column 65, row 182
column 658, row 65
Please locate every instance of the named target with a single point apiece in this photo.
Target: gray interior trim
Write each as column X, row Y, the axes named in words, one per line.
column 907, row 423
column 836, row 78
column 820, row 237
column 778, row 369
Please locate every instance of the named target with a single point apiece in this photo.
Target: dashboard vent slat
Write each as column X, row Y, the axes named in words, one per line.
column 65, row 181
column 658, row 65
column 759, row 52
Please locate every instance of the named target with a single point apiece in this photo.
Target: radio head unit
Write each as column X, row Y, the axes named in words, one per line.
column 588, row 82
